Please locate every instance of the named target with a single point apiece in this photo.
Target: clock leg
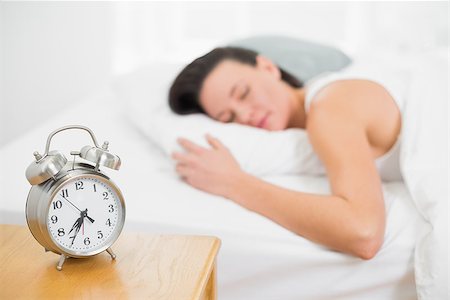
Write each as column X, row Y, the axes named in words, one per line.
column 62, row 259
column 109, row 250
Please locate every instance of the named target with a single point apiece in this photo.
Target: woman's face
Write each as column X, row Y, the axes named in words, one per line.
column 249, row 95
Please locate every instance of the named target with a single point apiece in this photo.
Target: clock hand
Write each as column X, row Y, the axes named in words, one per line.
column 89, row 218
column 71, row 203
column 77, row 225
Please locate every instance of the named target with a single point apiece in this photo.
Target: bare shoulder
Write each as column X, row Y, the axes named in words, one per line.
column 362, row 103
column 360, row 98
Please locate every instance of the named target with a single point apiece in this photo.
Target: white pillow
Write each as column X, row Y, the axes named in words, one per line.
column 259, row 152
column 145, row 89
column 144, row 94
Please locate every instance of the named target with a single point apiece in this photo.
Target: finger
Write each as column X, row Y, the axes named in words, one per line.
column 215, row 143
column 183, row 170
column 178, row 156
column 186, row 173
column 190, row 146
column 183, row 158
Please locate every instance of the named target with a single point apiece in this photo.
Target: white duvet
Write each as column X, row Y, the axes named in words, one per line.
column 421, row 81
column 259, row 259
column 424, row 165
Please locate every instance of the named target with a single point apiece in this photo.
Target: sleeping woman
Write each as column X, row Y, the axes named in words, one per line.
column 352, row 124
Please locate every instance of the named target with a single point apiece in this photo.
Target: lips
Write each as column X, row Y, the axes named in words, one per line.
column 262, row 123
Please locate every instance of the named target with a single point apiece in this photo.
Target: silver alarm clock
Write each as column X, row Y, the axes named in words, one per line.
column 73, row 208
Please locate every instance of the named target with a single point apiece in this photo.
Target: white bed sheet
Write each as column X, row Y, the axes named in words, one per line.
column 258, row 258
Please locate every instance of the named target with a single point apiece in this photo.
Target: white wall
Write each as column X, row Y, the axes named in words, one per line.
column 2, row 103
column 181, row 31
column 53, row 54
column 148, row 32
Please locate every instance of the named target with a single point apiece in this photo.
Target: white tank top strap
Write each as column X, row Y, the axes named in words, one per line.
column 314, row 85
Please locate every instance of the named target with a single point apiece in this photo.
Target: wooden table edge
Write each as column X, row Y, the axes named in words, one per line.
column 209, row 265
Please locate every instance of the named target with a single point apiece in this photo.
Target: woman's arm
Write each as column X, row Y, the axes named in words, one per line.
column 329, row 220
column 350, row 220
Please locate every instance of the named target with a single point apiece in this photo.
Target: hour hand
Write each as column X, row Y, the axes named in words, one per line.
column 89, row 218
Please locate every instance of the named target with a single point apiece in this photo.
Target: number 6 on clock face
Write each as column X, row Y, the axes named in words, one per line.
column 85, row 215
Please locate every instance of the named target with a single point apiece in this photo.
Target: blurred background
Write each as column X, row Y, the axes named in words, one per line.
column 53, row 54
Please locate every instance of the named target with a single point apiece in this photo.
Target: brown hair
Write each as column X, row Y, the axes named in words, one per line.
column 184, row 92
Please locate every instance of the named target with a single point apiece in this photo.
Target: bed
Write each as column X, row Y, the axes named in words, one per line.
column 258, row 259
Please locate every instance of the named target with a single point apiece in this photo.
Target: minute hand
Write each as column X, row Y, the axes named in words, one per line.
column 71, row 203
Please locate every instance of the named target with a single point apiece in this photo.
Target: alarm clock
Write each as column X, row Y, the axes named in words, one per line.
column 73, row 209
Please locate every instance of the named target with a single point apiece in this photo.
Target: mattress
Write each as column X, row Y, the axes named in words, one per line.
column 258, row 259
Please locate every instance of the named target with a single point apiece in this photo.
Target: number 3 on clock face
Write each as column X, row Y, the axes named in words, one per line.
column 85, row 215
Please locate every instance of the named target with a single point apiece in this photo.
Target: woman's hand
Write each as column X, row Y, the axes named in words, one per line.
column 211, row 170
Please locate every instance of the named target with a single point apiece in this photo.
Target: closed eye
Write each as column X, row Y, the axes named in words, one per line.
column 245, row 93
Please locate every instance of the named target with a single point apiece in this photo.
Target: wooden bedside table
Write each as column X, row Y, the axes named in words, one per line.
column 147, row 266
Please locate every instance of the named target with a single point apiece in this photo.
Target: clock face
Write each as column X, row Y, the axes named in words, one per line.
column 85, row 216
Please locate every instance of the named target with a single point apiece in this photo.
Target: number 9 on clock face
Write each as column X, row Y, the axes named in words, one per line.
column 86, row 215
